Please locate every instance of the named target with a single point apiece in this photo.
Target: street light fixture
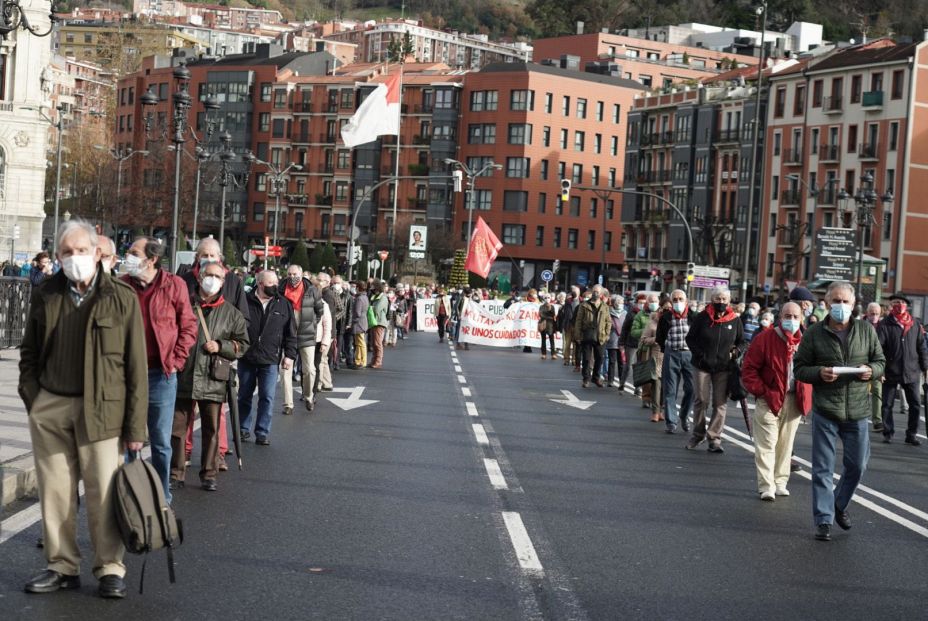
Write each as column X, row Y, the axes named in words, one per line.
column 471, row 179
column 278, row 176
column 13, row 16
column 180, row 126
column 865, row 200
column 121, row 156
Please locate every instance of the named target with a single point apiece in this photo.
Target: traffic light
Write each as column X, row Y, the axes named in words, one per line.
column 565, row 190
column 690, row 272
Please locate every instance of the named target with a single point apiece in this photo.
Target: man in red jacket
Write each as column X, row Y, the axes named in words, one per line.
column 767, row 373
column 170, row 332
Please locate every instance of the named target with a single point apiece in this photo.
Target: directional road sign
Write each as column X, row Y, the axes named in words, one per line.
column 353, row 401
column 571, row 399
column 547, row 275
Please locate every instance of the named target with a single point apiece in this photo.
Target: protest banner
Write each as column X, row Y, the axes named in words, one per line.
column 516, row 326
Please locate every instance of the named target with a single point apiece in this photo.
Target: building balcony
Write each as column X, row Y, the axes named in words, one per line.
column 728, row 135
column 325, row 168
column 869, row 151
column 828, row 197
column 304, row 107
column 423, row 109
column 788, row 237
column 304, row 138
column 327, row 138
column 792, row 157
column 829, row 153
column 790, row 197
column 421, row 140
column 668, row 138
column 418, row 170
column 872, row 100
column 833, row 104
column 323, row 199
column 417, row 203
column 321, row 233
column 296, row 200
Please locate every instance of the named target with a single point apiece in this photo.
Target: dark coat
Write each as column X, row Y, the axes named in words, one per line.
column 546, row 318
column 663, row 326
column 232, row 289
column 271, row 331
column 310, row 315
column 625, row 338
column 712, row 344
column 226, row 325
column 906, row 356
column 359, row 313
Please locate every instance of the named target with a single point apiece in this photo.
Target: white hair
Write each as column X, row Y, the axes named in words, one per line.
column 207, row 241
column 842, row 285
column 77, row 224
column 263, row 274
column 874, row 304
column 720, row 290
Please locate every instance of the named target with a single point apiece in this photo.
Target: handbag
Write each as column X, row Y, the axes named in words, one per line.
column 371, row 318
column 220, row 369
column 644, row 372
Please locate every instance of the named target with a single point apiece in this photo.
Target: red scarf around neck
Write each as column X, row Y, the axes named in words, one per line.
column 217, row 302
column 676, row 315
column 728, row 315
column 792, row 341
column 904, row 319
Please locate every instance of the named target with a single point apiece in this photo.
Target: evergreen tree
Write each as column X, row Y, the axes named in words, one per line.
column 329, row 260
column 299, row 255
column 459, row 276
column 230, row 253
column 315, row 259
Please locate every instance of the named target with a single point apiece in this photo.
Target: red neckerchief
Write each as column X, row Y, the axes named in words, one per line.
column 676, row 315
column 217, row 302
column 792, row 341
column 728, row 316
column 904, row 319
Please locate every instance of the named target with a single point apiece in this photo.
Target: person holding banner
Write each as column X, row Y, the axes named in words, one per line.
column 593, row 326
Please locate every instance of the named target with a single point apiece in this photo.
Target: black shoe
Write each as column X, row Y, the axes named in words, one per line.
column 586, row 383
column 823, row 532
column 262, row 441
column 685, row 423
column 671, row 429
column 887, row 439
column 878, row 426
column 50, row 581
column 842, row 518
column 176, row 484
column 913, row 441
column 310, row 404
column 112, row 587
column 288, row 411
column 715, row 448
column 208, row 484
column 246, row 435
column 794, row 467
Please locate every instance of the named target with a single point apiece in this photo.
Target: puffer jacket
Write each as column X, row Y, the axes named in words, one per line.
column 844, row 399
column 906, row 355
column 711, row 343
column 593, row 323
column 310, row 315
column 227, row 325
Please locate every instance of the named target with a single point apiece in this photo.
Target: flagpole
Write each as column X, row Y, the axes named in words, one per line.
column 396, row 165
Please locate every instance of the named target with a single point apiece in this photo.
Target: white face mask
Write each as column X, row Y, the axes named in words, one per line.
column 133, row 265
column 337, row 287
column 79, row 267
column 211, row 285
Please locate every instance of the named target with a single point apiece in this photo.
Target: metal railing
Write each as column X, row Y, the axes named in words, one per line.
column 15, row 294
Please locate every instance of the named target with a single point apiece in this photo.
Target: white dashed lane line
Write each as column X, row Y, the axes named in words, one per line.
column 462, row 379
column 481, row 434
column 471, row 408
column 497, row 480
column 521, row 542
column 465, row 391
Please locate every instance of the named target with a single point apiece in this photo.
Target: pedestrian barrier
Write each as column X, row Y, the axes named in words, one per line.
column 14, row 307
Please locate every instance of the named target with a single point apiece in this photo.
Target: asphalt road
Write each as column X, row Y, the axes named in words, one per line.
column 471, row 494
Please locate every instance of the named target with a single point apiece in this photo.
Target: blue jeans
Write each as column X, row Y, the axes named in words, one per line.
column 677, row 364
column 855, row 440
column 264, row 377
column 162, row 392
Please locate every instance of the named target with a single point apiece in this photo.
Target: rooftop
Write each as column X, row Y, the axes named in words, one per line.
column 562, row 73
column 877, row 51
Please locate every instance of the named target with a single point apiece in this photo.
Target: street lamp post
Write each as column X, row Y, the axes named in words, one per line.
column 865, row 200
column 59, row 127
column 121, row 156
column 470, row 203
column 278, row 175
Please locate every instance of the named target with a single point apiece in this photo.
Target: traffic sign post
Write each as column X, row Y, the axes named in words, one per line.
column 547, row 276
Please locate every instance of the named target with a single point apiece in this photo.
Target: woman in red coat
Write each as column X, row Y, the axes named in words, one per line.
column 767, row 373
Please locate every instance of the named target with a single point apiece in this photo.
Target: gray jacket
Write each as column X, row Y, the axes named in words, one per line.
column 381, row 305
column 359, row 314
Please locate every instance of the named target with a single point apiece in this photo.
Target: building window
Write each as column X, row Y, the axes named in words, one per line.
column 445, row 99
column 779, row 104
column 278, row 126
column 258, row 212
column 557, row 237
column 799, row 99
column 341, row 191
column 856, row 88
column 484, row 199
column 887, row 226
column 774, row 187
column 612, row 175
column 520, row 133
column 597, row 143
column 522, row 100
column 280, row 98
column 594, row 178
column 575, row 206
column 563, row 138
column 481, row 133
column 616, row 113
column 546, row 137
column 581, row 108
column 818, row 87
column 542, row 202
column 515, row 200
column 514, row 234
column 897, row 85
column 572, row 239
column 770, row 259
column 518, row 167
column 614, row 146
column 591, row 240
column 565, row 105
column 777, row 143
column 544, row 170
column 893, row 135
column 539, row 236
column 549, row 102
column 579, row 140
column 264, row 122
column 600, row 106
column 594, row 207
column 577, row 174
column 481, row 101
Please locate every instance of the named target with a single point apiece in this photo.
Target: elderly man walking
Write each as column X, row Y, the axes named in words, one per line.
column 902, row 338
column 672, row 330
column 839, row 402
column 714, row 339
column 311, row 304
column 326, row 334
column 84, row 381
column 272, row 334
column 593, row 325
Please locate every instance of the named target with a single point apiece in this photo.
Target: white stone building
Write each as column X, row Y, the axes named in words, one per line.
column 25, row 93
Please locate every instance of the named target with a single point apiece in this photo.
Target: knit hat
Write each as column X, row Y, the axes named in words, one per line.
column 801, row 294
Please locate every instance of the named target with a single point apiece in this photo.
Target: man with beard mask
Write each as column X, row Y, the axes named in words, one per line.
column 81, row 405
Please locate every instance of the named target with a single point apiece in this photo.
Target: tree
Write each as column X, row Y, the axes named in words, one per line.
column 400, row 48
column 315, row 259
column 329, row 260
column 299, row 256
column 230, row 253
column 458, row 276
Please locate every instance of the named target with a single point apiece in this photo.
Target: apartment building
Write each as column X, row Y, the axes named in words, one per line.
column 654, row 64
column 543, row 124
column 844, row 117
column 119, row 46
column 455, row 49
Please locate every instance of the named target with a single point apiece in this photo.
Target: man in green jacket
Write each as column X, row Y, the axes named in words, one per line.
column 83, row 375
column 592, row 326
column 840, row 408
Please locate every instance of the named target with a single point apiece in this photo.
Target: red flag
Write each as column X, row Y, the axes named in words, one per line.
column 484, row 248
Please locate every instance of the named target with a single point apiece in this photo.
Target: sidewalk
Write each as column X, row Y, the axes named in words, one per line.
column 16, row 464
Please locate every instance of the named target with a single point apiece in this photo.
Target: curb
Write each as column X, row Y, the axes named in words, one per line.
column 19, row 480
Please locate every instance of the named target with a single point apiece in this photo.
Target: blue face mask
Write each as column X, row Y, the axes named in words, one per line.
column 790, row 325
column 679, row 306
column 841, row 312
column 652, row 306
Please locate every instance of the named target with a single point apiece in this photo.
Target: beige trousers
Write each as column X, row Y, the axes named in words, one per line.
column 308, row 362
column 325, row 373
column 63, row 456
column 287, row 376
column 773, row 443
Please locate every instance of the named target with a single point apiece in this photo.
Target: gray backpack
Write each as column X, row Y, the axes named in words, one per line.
column 146, row 521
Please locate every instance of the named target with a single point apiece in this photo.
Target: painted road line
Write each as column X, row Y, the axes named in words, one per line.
column 497, row 480
column 481, row 434
column 458, row 369
column 521, row 542
column 465, row 391
column 462, row 379
column 471, row 408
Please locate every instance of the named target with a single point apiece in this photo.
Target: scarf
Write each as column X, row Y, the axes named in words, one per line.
column 676, row 315
column 729, row 315
column 217, row 302
column 792, row 341
column 904, row 319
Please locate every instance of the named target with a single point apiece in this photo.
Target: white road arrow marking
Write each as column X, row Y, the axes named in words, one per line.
column 353, row 400
column 571, row 400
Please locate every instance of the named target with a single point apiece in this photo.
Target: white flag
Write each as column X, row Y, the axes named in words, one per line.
column 378, row 114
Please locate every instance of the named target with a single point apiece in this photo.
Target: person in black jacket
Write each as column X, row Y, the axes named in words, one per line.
column 272, row 334
column 714, row 339
column 902, row 338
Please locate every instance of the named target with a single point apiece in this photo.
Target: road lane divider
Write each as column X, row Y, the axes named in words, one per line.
column 521, row 542
column 481, row 434
column 462, row 379
column 471, row 408
column 497, row 480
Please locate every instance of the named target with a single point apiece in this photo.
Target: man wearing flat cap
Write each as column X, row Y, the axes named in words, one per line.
column 902, row 338
column 806, row 301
